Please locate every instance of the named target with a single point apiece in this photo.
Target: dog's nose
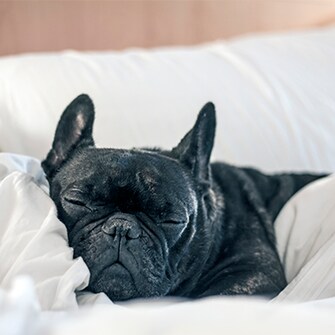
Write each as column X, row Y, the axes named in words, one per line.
column 122, row 224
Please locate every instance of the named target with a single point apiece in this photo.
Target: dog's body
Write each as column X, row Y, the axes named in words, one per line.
column 155, row 223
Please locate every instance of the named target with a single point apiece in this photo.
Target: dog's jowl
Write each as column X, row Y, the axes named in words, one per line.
column 150, row 222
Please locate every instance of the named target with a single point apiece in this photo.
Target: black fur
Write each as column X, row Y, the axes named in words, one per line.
column 157, row 223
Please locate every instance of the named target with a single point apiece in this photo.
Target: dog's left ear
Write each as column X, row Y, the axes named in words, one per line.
column 195, row 149
column 74, row 130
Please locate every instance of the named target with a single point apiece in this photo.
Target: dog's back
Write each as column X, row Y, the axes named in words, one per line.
column 246, row 246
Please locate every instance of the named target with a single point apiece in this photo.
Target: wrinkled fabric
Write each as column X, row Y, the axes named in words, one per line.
column 33, row 242
column 305, row 231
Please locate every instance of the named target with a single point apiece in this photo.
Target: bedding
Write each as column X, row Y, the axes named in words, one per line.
column 305, row 231
column 19, row 316
column 274, row 96
column 34, row 242
column 275, row 100
column 34, row 245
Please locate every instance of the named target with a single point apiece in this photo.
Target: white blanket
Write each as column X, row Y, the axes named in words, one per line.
column 305, row 230
column 33, row 242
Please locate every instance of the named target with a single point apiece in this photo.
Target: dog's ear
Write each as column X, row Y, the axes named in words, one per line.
column 74, row 130
column 194, row 150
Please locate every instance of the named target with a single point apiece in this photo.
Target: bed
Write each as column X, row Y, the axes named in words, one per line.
column 275, row 99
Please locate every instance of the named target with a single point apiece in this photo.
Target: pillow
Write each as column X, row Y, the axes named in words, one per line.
column 274, row 96
column 33, row 241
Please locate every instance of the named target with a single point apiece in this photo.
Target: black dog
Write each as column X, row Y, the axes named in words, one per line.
column 151, row 223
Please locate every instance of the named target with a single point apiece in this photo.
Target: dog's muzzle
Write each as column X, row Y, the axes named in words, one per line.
column 122, row 225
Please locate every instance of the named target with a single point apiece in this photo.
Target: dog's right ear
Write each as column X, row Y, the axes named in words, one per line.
column 74, row 130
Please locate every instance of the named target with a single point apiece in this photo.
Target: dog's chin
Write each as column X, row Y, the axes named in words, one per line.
column 116, row 281
column 128, row 270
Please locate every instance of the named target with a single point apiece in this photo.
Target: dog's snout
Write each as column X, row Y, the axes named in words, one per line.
column 122, row 225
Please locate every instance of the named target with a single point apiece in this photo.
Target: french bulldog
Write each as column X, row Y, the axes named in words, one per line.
column 151, row 222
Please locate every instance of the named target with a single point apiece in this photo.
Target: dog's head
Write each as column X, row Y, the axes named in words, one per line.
column 139, row 218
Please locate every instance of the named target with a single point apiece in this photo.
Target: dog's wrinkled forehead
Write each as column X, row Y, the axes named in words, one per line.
column 109, row 170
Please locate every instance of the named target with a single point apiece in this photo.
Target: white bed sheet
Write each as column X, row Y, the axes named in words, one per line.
column 19, row 316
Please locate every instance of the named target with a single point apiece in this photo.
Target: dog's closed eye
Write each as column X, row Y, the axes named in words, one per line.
column 174, row 221
column 77, row 198
column 74, row 201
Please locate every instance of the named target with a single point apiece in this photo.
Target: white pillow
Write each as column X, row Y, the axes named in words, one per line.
column 274, row 96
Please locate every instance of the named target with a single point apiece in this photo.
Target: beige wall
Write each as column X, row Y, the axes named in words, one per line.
column 98, row 25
